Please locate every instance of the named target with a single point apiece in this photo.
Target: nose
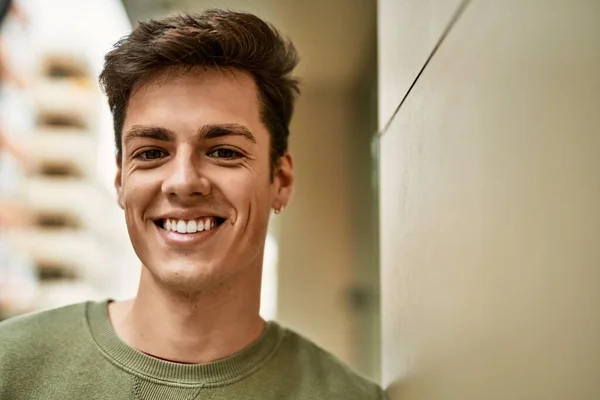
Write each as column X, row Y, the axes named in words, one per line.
column 185, row 181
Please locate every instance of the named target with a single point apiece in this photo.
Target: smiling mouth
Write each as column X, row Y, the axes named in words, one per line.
column 189, row 226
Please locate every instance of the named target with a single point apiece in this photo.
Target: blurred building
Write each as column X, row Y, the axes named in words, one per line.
column 73, row 237
column 70, row 243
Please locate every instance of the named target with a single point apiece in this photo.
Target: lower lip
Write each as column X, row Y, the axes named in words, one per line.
column 176, row 238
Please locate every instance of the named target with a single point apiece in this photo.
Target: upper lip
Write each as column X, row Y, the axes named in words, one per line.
column 188, row 215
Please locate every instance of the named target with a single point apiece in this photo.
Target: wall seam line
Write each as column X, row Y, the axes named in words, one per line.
column 457, row 14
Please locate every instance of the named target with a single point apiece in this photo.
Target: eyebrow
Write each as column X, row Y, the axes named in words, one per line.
column 206, row 132
column 148, row 132
column 213, row 131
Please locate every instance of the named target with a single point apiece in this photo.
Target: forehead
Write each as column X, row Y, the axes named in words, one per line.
column 185, row 101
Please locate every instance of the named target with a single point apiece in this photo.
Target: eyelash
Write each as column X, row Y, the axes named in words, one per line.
column 236, row 154
column 142, row 155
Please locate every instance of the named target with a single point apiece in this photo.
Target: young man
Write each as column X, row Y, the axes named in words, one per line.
column 201, row 106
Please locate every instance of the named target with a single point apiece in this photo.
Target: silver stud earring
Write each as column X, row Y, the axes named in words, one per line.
column 279, row 210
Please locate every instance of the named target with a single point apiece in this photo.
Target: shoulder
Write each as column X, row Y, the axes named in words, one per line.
column 41, row 347
column 32, row 332
column 323, row 369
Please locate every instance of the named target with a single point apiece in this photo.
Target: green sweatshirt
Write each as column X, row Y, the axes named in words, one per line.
column 73, row 353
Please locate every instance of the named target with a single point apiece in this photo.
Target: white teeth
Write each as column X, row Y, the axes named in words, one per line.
column 191, row 226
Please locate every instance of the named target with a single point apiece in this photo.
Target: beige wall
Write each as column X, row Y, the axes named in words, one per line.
column 490, row 194
column 323, row 249
column 314, row 267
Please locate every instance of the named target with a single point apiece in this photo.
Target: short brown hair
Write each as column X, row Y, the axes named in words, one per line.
column 213, row 38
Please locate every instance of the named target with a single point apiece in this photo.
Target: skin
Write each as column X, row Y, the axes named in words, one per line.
column 194, row 146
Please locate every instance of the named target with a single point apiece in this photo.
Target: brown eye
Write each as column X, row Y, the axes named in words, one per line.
column 149, row 155
column 225, row 153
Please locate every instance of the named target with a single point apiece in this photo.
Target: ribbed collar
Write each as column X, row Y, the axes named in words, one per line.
column 231, row 368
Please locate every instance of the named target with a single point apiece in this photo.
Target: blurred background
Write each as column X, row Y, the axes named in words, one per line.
column 443, row 238
column 63, row 237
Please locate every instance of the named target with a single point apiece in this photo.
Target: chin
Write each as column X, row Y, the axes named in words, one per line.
column 187, row 276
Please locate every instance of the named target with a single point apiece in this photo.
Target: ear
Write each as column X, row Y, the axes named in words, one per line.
column 283, row 182
column 119, row 183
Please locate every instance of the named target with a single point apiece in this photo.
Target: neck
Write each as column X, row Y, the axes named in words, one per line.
column 209, row 326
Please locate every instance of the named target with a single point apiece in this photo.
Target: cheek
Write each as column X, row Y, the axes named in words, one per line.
column 137, row 197
column 249, row 193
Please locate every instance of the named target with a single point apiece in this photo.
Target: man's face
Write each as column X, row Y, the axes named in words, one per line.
column 194, row 177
